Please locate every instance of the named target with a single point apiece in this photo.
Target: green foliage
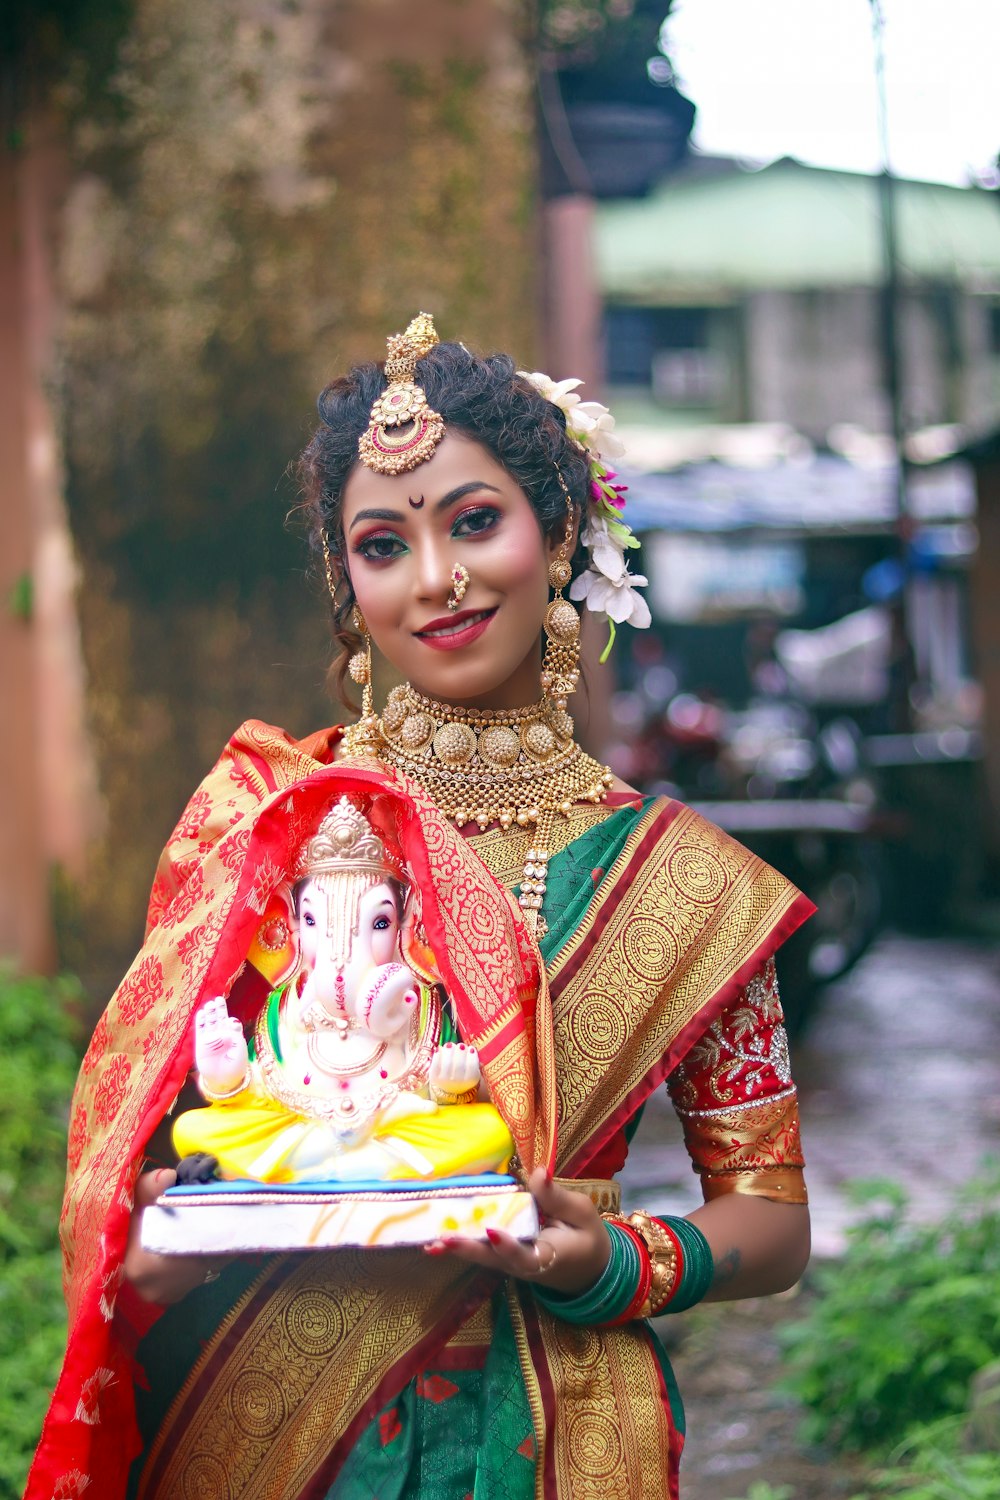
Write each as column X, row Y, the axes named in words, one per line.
column 761, row 1490
column 38, row 1061
column 945, row 1476
column 902, row 1322
column 932, row 1466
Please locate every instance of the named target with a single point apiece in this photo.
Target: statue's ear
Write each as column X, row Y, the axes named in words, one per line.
column 413, row 939
column 274, row 949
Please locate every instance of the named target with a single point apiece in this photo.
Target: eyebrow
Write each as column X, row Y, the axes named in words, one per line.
column 459, row 493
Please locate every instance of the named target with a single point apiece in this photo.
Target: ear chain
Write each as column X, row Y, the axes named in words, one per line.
column 561, row 663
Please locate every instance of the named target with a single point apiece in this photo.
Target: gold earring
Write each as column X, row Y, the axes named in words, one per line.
column 360, row 666
column 459, row 584
column 561, row 662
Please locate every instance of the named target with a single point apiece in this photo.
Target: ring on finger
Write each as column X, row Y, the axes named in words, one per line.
column 544, row 1267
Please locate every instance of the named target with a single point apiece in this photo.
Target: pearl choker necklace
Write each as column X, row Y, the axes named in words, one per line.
column 508, row 766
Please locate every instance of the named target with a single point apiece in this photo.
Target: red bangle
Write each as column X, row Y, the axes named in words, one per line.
column 645, row 1277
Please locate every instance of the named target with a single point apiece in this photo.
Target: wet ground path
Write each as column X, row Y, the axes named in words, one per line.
column 899, row 1077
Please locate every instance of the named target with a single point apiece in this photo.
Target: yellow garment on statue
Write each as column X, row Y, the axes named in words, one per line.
column 457, row 1140
column 258, row 1139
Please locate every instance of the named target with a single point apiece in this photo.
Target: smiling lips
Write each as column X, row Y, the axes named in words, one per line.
column 457, row 630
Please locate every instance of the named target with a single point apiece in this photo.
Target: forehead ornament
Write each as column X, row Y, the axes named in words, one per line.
column 403, row 430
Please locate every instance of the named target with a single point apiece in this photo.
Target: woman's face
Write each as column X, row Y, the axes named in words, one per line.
column 404, row 534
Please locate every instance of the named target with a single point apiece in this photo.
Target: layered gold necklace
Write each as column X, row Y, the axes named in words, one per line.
column 516, row 767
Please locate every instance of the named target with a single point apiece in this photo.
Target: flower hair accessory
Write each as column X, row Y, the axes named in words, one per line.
column 606, row 587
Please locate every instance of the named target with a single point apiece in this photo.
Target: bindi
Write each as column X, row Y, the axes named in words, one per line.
column 416, row 503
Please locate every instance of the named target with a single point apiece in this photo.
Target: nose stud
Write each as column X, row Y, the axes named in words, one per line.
column 459, row 584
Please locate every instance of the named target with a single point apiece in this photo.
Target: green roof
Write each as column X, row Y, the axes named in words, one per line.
column 788, row 227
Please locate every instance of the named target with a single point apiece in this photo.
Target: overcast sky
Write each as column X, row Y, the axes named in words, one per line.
column 796, row 77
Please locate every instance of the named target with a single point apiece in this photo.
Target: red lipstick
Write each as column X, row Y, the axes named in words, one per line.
column 454, row 631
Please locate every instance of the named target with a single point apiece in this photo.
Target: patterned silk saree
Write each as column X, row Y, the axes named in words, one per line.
column 292, row 1371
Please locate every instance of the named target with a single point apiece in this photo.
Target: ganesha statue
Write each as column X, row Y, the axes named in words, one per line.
column 353, row 1073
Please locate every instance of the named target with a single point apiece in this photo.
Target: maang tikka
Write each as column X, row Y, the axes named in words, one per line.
column 561, row 662
column 403, row 430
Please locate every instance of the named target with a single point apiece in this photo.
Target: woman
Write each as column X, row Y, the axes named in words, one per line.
column 452, row 500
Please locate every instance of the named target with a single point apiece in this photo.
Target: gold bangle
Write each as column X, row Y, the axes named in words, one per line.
column 442, row 1096
column 214, row 1098
column 662, row 1252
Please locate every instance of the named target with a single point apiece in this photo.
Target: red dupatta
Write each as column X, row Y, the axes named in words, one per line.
column 232, row 847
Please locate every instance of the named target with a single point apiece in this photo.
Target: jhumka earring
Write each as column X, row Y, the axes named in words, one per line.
column 459, row 584
column 360, row 666
column 560, row 664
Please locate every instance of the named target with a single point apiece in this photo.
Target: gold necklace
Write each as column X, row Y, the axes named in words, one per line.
column 508, row 766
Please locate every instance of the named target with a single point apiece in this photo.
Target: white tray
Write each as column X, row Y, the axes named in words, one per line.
column 219, row 1218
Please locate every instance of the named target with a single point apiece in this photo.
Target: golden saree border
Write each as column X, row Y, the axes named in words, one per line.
column 682, row 921
column 272, row 1406
column 603, row 1427
column 230, row 849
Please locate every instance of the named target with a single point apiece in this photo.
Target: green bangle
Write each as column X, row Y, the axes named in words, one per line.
column 611, row 1293
column 699, row 1267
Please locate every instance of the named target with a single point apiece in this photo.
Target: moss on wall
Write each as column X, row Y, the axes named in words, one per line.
column 263, row 193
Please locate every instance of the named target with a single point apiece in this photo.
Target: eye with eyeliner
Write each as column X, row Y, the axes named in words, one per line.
column 379, row 546
column 476, row 521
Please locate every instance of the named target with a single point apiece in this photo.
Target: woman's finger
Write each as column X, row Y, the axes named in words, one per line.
column 150, row 1185
column 561, row 1203
column 501, row 1253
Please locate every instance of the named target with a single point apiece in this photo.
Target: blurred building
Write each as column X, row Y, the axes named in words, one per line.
column 733, row 295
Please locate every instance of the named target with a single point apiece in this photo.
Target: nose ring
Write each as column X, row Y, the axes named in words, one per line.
column 459, row 584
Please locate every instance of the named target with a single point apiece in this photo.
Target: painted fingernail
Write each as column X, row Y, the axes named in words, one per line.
column 494, row 1237
column 434, row 1249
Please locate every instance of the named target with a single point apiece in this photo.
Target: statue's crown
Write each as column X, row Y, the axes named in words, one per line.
column 345, row 840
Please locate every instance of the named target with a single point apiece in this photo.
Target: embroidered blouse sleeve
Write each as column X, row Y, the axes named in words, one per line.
column 737, row 1102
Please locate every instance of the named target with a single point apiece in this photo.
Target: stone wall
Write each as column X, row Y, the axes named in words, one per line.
column 263, row 191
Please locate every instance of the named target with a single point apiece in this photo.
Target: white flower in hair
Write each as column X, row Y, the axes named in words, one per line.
column 606, row 554
column 559, row 392
column 607, row 587
column 594, row 426
column 614, row 594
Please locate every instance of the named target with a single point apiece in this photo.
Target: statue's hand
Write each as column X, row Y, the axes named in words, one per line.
column 388, row 1000
column 220, row 1049
column 455, row 1073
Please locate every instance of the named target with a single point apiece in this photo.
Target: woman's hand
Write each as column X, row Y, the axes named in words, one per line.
column 161, row 1278
column 572, row 1249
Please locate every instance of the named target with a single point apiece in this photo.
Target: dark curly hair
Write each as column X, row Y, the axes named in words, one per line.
column 482, row 397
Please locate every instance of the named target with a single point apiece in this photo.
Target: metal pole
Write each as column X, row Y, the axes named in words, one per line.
column 891, row 287
column 901, row 678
